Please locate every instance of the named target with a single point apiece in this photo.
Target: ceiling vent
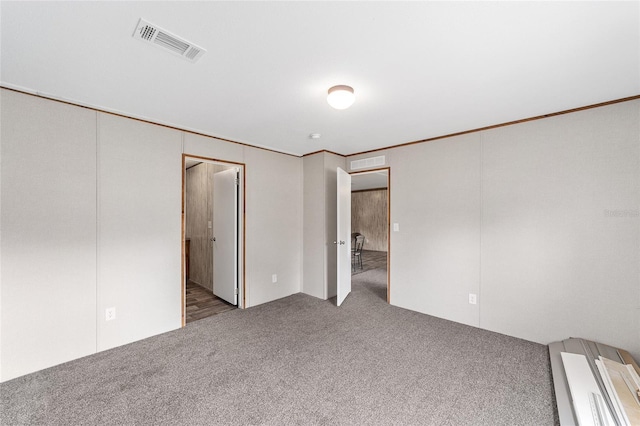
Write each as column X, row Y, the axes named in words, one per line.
column 368, row 162
column 159, row 37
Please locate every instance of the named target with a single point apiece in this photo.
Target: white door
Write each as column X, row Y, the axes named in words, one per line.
column 343, row 238
column 225, row 235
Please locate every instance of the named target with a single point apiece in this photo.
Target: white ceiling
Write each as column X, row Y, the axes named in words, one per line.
column 370, row 180
column 419, row 69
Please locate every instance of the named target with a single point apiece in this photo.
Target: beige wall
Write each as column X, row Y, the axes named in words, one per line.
column 518, row 215
column 102, row 221
column 369, row 217
column 273, row 215
column 539, row 219
column 139, row 229
column 274, row 225
column 320, row 223
column 314, row 282
column 48, row 225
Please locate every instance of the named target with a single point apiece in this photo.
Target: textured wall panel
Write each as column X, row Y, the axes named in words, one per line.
column 197, row 220
column 369, row 217
column 435, row 255
column 540, row 219
column 314, row 282
column 274, row 225
column 561, row 228
column 139, row 229
column 48, row 221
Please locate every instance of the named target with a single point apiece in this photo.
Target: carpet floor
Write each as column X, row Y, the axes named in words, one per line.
column 299, row 360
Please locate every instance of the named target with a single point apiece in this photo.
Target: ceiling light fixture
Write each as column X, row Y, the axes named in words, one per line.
column 341, row 97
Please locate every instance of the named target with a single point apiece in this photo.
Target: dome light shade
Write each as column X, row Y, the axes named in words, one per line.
column 341, row 97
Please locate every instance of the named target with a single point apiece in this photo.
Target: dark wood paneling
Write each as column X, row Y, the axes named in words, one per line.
column 369, row 217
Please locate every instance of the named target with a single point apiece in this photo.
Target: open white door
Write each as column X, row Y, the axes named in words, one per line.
column 225, row 235
column 343, row 237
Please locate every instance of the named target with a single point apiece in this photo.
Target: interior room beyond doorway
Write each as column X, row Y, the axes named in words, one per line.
column 369, row 218
column 201, row 298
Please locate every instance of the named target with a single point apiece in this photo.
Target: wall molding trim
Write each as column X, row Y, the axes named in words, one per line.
column 323, row 150
column 508, row 123
column 144, row 120
column 435, row 138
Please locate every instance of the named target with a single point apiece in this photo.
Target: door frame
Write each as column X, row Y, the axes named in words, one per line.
column 242, row 238
column 388, row 170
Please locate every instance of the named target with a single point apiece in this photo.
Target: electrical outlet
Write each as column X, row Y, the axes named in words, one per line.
column 473, row 299
column 110, row 314
column 396, row 227
column 274, row 278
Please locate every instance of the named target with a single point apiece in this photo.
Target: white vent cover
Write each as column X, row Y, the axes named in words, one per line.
column 151, row 33
column 365, row 163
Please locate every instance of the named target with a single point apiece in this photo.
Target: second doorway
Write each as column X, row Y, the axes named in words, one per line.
column 212, row 228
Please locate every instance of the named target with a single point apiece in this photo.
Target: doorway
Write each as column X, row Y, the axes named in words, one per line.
column 370, row 227
column 213, row 237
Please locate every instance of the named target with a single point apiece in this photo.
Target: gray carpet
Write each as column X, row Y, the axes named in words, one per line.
column 299, row 360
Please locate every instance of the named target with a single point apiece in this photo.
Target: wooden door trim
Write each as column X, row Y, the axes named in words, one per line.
column 241, row 304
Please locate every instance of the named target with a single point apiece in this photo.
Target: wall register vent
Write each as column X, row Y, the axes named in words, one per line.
column 159, row 37
column 366, row 163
